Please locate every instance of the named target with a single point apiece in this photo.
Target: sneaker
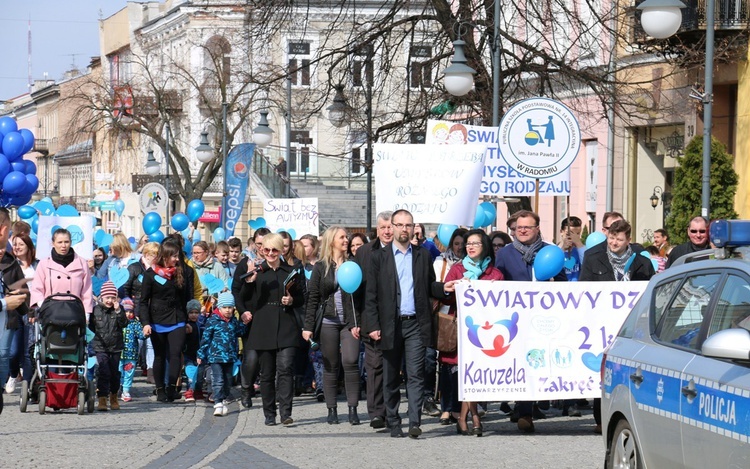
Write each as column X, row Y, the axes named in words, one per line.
column 10, row 386
column 126, row 397
column 224, row 408
column 189, row 397
column 219, row 409
column 430, row 408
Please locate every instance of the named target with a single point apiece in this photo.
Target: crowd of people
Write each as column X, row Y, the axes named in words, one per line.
column 284, row 325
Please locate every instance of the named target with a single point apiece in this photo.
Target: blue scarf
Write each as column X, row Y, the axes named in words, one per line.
column 473, row 269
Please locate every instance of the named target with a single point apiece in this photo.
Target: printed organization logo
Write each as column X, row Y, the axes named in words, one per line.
column 493, row 339
column 240, row 170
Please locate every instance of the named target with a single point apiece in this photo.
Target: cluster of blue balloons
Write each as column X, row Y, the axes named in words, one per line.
column 30, row 213
column 18, row 176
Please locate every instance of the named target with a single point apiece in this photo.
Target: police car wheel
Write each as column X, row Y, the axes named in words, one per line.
column 623, row 450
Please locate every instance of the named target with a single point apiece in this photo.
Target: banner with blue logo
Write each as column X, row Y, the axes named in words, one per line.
column 528, row 341
column 237, row 171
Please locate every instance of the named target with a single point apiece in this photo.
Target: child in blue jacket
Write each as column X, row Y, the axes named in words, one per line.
column 219, row 348
column 131, row 334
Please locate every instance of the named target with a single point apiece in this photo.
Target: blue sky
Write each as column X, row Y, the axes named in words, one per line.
column 62, row 32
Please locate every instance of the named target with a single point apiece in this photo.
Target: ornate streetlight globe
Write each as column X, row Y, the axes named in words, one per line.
column 459, row 77
column 204, row 152
column 661, row 18
column 263, row 134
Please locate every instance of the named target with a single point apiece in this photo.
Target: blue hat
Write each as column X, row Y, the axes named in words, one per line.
column 225, row 299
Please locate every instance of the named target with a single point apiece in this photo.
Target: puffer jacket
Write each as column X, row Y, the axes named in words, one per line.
column 219, row 342
column 107, row 325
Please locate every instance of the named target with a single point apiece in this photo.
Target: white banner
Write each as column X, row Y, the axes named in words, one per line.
column 81, row 235
column 296, row 216
column 533, row 341
column 498, row 178
column 436, row 183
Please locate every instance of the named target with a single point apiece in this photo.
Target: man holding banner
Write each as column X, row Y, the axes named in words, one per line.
column 398, row 316
column 516, row 262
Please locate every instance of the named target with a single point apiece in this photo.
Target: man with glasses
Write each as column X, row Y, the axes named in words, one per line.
column 697, row 240
column 398, row 317
column 373, row 356
column 516, row 262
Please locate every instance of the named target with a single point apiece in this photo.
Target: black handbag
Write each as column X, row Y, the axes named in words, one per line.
column 319, row 320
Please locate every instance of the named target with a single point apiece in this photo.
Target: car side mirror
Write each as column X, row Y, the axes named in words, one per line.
column 729, row 344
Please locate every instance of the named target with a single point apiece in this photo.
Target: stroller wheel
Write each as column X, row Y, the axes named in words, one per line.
column 81, row 402
column 42, row 401
column 24, row 395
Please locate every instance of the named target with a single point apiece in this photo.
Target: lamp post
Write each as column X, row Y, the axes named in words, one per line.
column 153, row 167
column 339, row 113
column 662, row 18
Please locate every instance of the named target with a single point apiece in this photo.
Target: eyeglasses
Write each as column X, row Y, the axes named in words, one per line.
column 697, row 231
column 512, row 228
column 271, row 251
column 497, row 246
column 401, row 226
column 474, row 244
column 525, row 228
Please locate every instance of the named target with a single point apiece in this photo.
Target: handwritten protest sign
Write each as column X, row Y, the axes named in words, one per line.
column 436, row 183
column 533, row 341
column 81, row 235
column 299, row 216
column 498, row 177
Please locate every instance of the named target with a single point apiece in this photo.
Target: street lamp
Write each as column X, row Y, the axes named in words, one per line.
column 204, row 152
column 656, row 197
column 263, row 134
column 662, row 18
column 153, row 168
column 339, row 113
column 459, row 77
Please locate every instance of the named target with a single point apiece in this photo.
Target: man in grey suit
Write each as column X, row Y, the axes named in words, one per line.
column 398, row 317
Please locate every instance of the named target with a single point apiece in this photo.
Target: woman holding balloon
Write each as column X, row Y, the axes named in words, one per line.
column 333, row 279
column 270, row 301
column 616, row 263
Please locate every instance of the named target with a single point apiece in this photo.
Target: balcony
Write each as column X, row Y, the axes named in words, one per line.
column 730, row 17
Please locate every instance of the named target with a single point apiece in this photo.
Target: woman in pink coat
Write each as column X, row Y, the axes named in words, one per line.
column 63, row 272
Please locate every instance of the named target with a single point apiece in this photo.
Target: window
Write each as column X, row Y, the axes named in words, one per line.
column 420, row 67
column 362, row 66
column 662, row 295
column 682, row 320
column 218, row 59
column 299, row 63
column 733, row 308
column 359, row 151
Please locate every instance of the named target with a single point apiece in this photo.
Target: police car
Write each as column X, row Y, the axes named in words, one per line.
column 676, row 379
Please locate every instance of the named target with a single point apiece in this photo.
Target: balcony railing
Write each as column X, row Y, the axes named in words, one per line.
column 729, row 15
column 276, row 184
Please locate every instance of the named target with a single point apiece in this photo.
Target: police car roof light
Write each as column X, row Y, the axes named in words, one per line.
column 730, row 233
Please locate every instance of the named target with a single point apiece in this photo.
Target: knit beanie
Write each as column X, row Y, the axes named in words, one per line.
column 225, row 299
column 193, row 305
column 108, row 289
column 127, row 304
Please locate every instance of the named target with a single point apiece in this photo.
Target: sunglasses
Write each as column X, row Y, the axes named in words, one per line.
column 697, row 231
column 271, row 251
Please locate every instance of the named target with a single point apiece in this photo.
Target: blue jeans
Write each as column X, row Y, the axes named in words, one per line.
column 6, row 337
column 222, row 380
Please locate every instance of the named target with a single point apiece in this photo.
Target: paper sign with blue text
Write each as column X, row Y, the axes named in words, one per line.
column 298, row 216
column 528, row 341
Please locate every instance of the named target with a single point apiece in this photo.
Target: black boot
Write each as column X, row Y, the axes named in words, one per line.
column 161, row 396
column 333, row 416
column 171, row 393
column 353, row 417
column 245, row 398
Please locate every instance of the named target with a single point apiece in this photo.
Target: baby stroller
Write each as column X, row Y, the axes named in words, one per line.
column 60, row 357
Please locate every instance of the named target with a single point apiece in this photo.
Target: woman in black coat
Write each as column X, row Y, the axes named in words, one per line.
column 275, row 333
column 165, row 290
column 339, row 332
column 617, row 263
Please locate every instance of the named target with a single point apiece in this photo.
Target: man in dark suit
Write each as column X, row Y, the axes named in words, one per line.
column 398, row 316
column 373, row 356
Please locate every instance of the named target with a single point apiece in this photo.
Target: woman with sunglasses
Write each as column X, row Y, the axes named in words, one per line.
column 339, row 332
column 274, row 332
column 499, row 240
column 477, row 263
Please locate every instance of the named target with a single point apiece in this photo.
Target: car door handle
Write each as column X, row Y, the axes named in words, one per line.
column 688, row 392
column 637, row 377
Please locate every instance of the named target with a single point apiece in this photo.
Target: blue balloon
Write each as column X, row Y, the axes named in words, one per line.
column 444, row 233
column 20, row 200
column 196, row 236
column 549, row 261
column 4, row 166
column 30, row 167
column 47, row 199
column 34, row 224
column 119, row 207
column 26, row 211
column 195, row 210
column 595, row 238
column 7, row 125
column 67, row 211
column 19, row 166
column 28, row 140
column 219, row 234
column 14, row 183
column 349, row 276
column 180, row 221
column 32, row 183
column 131, row 240
column 490, row 212
column 98, row 236
column 45, row 208
column 188, row 248
column 480, row 218
column 151, row 222
column 156, row 236
column 13, row 146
